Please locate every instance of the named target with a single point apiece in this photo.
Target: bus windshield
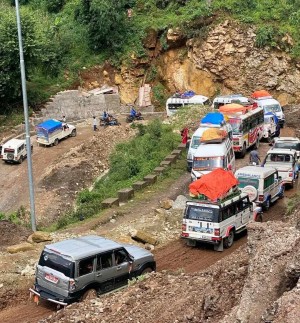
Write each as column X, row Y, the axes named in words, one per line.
column 272, row 108
column 208, row 163
column 202, row 213
column 236, row 125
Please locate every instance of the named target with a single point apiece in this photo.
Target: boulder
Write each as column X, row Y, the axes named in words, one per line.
column 25, row 246
column 144, row 237
column 39, row 236
column 166, row 204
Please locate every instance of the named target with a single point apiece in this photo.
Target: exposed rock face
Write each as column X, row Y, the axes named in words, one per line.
column 227, row 61
column 273, row 269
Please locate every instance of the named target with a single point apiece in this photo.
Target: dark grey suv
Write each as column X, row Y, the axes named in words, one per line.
column 81, row 268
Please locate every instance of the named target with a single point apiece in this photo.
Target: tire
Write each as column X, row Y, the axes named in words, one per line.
column 146, row 271
column 55, row 142
column 259, row 218
column 89, row 294
column 228, row 241
column 266, row 206
column 21, row 159
column 243, row 152
column 73, row 133
column 282, row 192
column 191, row 243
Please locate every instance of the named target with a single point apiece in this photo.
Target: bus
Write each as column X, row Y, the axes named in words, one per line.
column 174, row 103
column 247, row 127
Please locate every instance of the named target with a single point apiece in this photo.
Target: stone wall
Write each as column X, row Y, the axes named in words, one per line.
column 77, row 105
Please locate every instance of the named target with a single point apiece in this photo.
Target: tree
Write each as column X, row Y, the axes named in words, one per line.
column 106, row 21
column 10, row 77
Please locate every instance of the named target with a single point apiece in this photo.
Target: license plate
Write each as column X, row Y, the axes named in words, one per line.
column 51, row 278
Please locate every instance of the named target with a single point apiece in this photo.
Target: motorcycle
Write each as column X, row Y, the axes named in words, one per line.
column 132, row 118
column 109, row 121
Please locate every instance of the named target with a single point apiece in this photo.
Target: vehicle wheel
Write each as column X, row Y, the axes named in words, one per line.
column 89, row 294
column 269, row 139
column 282, row 191
column 55, row 142
column 259, row 218
column 243, row 152
column 191, row 243
column 73, row 133
column 292, row 184
column 21, row 160
column 146, row 271
column 228, row 241
column 267, row 205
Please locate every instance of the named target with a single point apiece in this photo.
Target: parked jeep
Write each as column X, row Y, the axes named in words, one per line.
column 263, row 184
column 81, row 268
column 14, row 151
column 285, row 161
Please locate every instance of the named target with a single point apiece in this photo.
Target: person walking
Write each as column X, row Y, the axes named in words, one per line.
column 95, row 123
column 254, row 158
column 64, row 119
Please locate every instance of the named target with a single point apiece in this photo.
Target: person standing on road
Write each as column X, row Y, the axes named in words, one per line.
column 64, row 119
column 94, row 123
column 254, row 158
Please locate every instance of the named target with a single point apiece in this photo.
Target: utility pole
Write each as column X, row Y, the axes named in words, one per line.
column 27, row 127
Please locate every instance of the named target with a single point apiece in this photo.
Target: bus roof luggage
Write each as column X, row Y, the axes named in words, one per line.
column 261, row 94
column 212, row 187
column 233, row 108
column 212, row 135
column 214, row 118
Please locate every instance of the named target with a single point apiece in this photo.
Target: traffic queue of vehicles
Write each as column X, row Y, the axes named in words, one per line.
column 218, row 220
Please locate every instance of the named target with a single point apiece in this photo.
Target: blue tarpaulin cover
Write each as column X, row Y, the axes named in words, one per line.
column 274, row 115
column 213, row 118
column 49, row 125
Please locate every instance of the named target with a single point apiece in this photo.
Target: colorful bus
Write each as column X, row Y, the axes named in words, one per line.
column 247, row 126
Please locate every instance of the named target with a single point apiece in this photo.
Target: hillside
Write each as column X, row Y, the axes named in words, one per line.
column 170, row 44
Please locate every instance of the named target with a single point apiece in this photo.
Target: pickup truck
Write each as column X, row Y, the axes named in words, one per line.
column 285, row 161
column 50, row 132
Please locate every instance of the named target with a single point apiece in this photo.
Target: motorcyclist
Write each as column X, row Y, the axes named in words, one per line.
column 133, row 113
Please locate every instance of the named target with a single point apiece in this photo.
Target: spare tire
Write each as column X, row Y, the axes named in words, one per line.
column 251, row 191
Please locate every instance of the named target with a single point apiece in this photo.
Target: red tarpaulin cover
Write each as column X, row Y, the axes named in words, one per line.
column 260, row 94
column 232, row 108
column 214, row 184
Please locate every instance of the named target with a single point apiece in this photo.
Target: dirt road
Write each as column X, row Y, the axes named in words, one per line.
column 173, row 256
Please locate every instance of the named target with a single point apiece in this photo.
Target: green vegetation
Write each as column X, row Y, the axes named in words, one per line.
column 130, row 162
column 60, row 37
column 292, row 204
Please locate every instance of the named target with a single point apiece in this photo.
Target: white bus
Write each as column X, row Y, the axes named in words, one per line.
column 175, row 103
column 247, row 128
column 217, row 223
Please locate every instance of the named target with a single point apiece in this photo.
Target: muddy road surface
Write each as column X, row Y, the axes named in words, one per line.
column 172, row 256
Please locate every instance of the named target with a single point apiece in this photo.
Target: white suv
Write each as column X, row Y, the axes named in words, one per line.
column 263, row 184
column 285, row 161
column 14, row 151
column 288, row 143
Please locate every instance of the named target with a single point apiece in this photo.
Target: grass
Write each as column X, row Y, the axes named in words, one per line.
column 292, row 204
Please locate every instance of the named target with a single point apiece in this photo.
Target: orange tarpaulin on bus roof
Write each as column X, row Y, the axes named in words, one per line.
column 260, row 94
column 232, row 107
column 213, row 134
column 214, row 184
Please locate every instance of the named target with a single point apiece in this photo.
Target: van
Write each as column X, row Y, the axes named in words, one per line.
column 196, row 140
column 174, row 103
column 209, row 156
column 14, row 151
column 82, row 268
column 269, row 104
column 232, row 98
